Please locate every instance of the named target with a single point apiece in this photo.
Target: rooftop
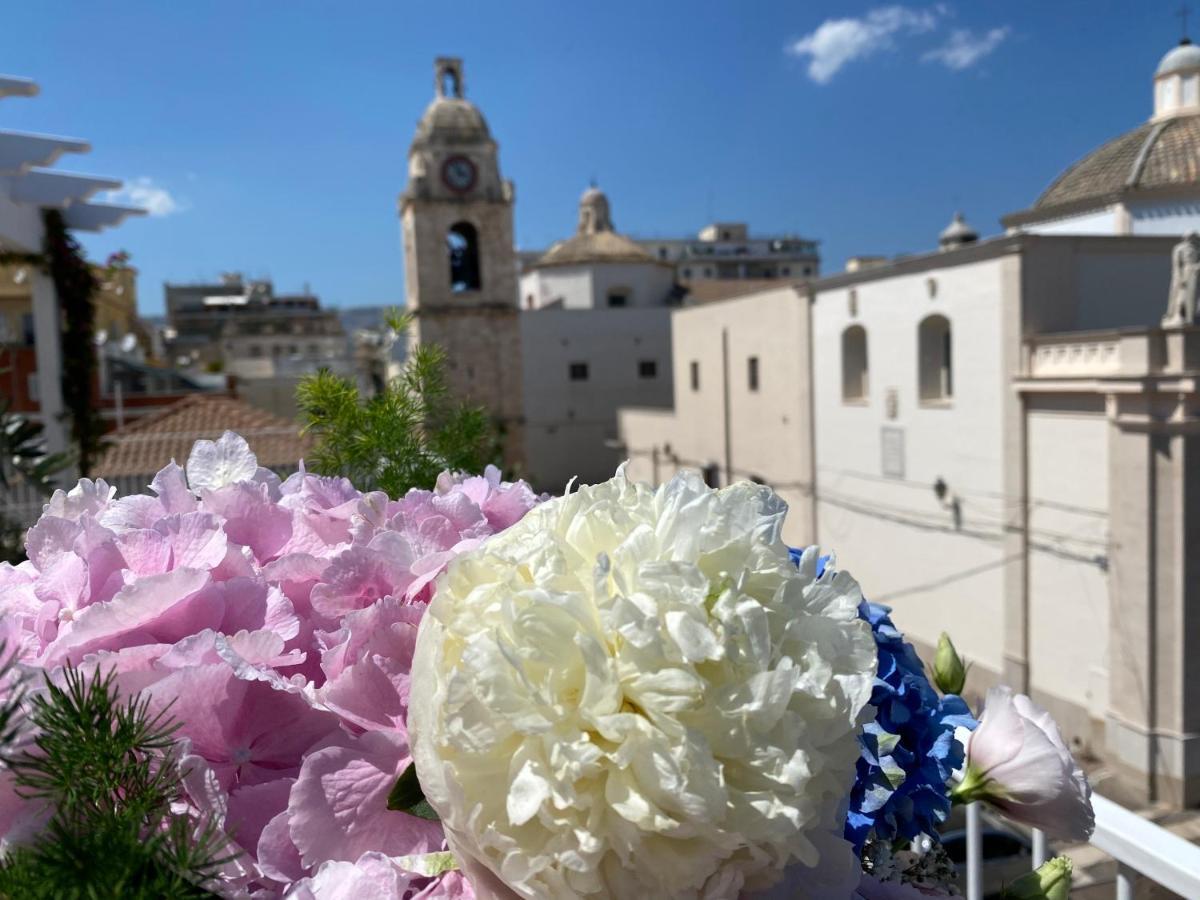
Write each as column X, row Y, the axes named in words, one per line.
column 148, row 444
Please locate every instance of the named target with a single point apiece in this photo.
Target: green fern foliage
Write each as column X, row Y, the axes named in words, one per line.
column 400, row 438
column 106, row 771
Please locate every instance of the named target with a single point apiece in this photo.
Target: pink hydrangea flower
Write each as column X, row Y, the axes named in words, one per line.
column 276, row 622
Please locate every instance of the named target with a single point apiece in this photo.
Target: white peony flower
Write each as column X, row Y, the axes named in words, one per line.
column 1017, row 761
column 634, row 693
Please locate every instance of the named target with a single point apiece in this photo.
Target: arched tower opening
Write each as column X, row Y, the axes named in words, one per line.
column 462, row 248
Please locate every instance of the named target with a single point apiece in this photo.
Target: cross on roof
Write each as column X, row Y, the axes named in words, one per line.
column 1183, row 15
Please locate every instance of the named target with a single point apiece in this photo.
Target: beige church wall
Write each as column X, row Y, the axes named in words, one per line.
column 587, row 287
column 642, row 430
column 768, row 435
column 1083, row 283
column 569, row 422
column 1069, row 560
column 939, row 561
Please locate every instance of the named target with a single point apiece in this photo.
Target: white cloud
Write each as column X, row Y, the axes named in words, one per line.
column 837, row 42
column 965, row 48
column 143, row 192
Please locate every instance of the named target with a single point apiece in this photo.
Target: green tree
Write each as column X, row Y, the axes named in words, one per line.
column 400, row 438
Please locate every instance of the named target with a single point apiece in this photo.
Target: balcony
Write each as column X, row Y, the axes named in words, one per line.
column 1093, row 357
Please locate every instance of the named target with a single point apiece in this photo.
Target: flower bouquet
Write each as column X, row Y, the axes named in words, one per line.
column 476, row 691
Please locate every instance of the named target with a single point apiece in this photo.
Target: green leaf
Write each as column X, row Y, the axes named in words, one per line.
column 406, row 796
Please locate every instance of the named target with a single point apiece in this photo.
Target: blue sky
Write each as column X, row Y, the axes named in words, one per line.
column 272, row 136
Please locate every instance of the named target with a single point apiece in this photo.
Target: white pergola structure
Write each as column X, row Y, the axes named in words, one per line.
column 27, row 187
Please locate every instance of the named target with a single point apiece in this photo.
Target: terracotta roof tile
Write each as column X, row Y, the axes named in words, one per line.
column 146, row 445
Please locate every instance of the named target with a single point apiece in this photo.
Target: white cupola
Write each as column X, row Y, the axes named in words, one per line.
column 1177, row 82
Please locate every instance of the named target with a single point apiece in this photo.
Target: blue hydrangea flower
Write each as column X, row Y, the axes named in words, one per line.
column 909, row 751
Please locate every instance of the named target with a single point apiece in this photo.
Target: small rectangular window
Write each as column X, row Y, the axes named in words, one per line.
column 617, row 298
column 578, row 371
column 695, row 367
column 752, row 372
column 647, row 368
column 27, row 332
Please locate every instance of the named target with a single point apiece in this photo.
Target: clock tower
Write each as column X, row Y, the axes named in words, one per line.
column 460, row 268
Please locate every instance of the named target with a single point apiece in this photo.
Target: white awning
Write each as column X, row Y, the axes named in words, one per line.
column 45, row 188
column 27, row 187
column 21, row 152
column 98, row 216
column 11, row 86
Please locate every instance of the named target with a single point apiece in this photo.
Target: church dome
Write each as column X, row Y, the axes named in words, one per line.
column 1157, row 155
column 1181, row 58
column 1158, row 159
column 595, row 241
column 957, row 233
column 452, row 119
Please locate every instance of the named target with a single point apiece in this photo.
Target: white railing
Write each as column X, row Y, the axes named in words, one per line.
column 1140, row 847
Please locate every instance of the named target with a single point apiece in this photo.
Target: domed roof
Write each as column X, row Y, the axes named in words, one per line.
column 957, row 233
column 601, row 247
column 595, row 241
column 1184, row 56
column 1159, row 155
column 452, row 119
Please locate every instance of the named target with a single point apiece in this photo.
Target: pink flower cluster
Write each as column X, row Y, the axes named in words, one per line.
column 277, row 620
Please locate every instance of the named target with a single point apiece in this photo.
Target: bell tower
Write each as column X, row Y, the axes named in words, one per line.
column 456, row 215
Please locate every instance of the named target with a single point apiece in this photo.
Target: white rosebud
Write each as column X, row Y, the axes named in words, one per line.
column 1017, row 762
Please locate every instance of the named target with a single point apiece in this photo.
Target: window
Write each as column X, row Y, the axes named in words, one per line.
column 695, row 372
column 854, row 364
column 647, row 368
column 752, row 372
column 662, row 252
column 933, row 350
column 578, row 371
column 711, row 475
column 618, row 298
column 462, row 246
column 786, row 271
column 687, row 273
column 27, row 329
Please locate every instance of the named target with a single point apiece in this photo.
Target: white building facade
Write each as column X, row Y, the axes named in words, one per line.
column 998, row 440
column 595, row 336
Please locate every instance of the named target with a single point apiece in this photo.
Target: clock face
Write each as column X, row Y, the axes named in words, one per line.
column 458, row 173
